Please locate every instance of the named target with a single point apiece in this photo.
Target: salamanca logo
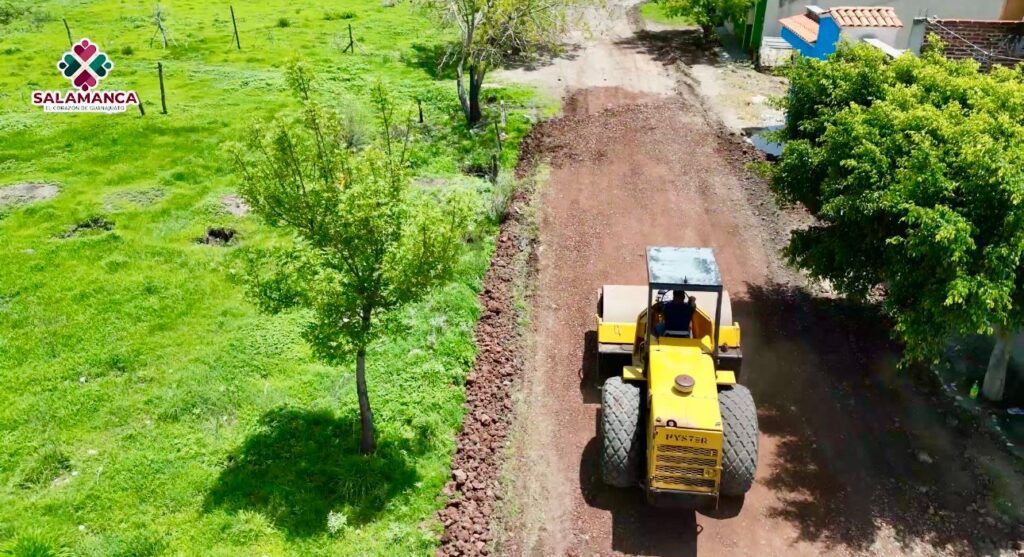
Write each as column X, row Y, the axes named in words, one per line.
column 79, row 97
column 85, row 66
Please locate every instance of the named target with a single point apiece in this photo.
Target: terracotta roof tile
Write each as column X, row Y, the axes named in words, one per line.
column 877, row 16
column 803, row 26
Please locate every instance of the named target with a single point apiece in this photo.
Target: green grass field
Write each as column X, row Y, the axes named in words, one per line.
column 655, row 12
column 146, row 407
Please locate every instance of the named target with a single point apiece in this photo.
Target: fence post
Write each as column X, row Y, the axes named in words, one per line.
column 238, row 42
column 163, row 96
column 351, row 42
column 158, row 18
column 71, row 42
column 497, row 137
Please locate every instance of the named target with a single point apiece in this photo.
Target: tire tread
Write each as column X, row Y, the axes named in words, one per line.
column 621, row 435
column 739, row 451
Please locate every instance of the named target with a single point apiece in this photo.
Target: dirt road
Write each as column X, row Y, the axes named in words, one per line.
column 852, row 460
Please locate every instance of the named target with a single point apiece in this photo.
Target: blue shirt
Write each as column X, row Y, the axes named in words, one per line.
column 678, row 316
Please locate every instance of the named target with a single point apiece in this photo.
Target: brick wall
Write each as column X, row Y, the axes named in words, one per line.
column 987, row 41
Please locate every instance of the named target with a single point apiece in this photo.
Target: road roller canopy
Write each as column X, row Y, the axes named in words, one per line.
column 670, row 268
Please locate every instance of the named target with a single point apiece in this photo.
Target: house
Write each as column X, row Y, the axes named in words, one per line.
column 816, row 32
column 764, row 18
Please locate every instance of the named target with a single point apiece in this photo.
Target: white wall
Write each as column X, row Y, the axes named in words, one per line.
column 907, row 10
column 888, row 35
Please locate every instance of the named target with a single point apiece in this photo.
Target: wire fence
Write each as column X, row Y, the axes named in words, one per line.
column 985, row 57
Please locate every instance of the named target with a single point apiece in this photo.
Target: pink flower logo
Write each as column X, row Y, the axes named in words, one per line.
column 85, row 65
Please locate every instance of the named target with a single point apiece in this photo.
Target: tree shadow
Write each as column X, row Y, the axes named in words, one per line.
column 968, row 357
column 848, row 431
column 429, row 58
column 538, row 60
column 300, row 465
column 672, row 46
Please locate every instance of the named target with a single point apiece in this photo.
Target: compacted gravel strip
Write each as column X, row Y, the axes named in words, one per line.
column 473, row 488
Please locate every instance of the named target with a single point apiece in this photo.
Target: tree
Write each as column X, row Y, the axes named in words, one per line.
column 914, row 169
column 709, row 14
column 493, row 32
column 364, row 243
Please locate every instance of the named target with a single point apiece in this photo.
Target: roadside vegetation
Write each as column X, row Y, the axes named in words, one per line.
column 146, row 406
column 657, row 12
column 914, row 168
column 707, row 14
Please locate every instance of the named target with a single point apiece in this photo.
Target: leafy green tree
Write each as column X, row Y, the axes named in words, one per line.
column 493, row 32
column 914, row 169
column 709, row 13
column 364, row 243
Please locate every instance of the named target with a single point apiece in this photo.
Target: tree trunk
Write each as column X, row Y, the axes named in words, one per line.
column 707, row 33
column 467, row 48
column 995, row 375
column 368, row 438
column 460, row 86
column 476, row 81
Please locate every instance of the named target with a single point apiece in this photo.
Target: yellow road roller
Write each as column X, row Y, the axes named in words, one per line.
column 675, row 421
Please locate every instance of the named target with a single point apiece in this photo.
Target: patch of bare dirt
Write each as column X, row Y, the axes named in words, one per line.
column 21, row 194
column 740, row 95
column 235, row 205
column 595, row 59
column 90, row 225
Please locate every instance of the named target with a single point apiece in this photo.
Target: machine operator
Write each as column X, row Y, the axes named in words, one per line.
column 676, row 315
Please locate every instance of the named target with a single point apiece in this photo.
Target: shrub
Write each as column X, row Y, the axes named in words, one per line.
column 34, row 545
column 355, row 132
column 9, row 12
column 501, row 197
column 346, row 14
